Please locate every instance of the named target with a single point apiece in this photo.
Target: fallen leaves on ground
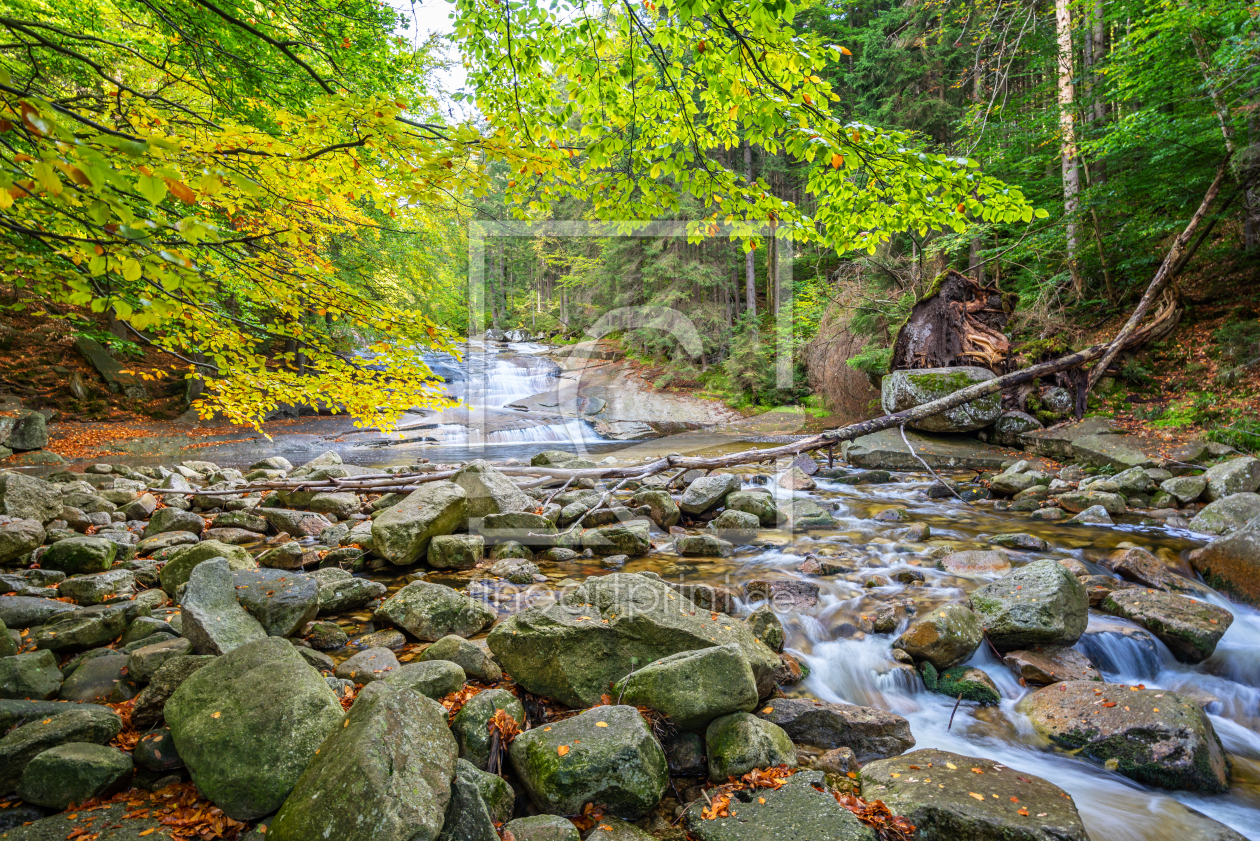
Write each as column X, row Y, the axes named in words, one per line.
column 877, row 816
column 720, row 797
column 456, row 700
column 178, row 807
column 128, row 737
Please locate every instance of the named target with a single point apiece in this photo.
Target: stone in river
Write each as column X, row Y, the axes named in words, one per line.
column 1153, row 736
column 976, row 562
column 1237, row 475
column 28, row 497
column 402, row 534
column 708, row 493
column 1141, row 566
column 1038, row 604
column 702, row 545
column 944, row 637
column 964, row 682
column 80, row 555
column 663, row 510
column 998, row 804
column 628, row 538
column 1232, row 563
column 869, row 732
column 1227, row 515
column 456, row 551
column 434, row 679
column 430, row 611
column 281, row 601
column 902, row 390
column 367, row 666
column 173, row 519
column 471, row 724
column 1190, row 628
column 739, row 742
column 797, row 811
column 693, row 687
column 1049, row 664
column 760, row 505
column 211, row 617
column 340, row 591
column 475, row 660
column 1118, row 451
column 489, row 491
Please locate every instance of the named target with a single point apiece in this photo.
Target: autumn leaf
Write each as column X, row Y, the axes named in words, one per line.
column 562, row 750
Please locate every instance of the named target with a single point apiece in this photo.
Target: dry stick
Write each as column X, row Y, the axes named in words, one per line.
column 929, row 468
column 957, row 704
column 1161, row 279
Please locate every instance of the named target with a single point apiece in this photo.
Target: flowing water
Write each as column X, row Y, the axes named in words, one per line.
column 847, row 665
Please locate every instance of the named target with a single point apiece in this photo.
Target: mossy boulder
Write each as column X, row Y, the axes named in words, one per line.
column 708, row 493
column 430, row 611
column 800, row 809
column 385, row 775
column 479, row 803
column 1236, row 475
column 541, row 828
column 50, row 728
column 737, row 743
column 1227, row 514
column 248, row 724
column 489, row 491
column 1232, row 563
column 180, row 565
column 74, row 773
column 402, row 533
column 434, row 679
column 1190, row 628
column 456, row 551
column 869, row 732
column 962, row 681
column 663, row 510
column 760, row 505
column 945, row 637
column 902, row 390
column 1041, row 603
column 693, row 687
column 1153, row 736
column 629, row 538
column 471, row 723
column 605, row 755
column 80, row 555
column 33, row 674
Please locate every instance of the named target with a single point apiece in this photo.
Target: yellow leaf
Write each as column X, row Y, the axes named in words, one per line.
column 979, row 797
column 131, row 271
column 837, row 161
column 601, row 724
column 562, row 750
column 846, row 51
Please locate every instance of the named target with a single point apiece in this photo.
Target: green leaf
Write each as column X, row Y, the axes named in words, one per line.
column 152, row 188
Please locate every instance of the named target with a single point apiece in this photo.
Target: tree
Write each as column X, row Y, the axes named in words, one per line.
column 1067, row 128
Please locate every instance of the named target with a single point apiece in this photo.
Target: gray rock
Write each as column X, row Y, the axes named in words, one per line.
column 286, row 556
column 471, row 725
column 434, row 678
column 489, row 491
column 604, row 755
column 145, row 661
column 1077, row 502
column 902, row 390
column 28, row 611
column 702, row 545
column 1227, row 515
column 1118, row 451
column 708, row 492
column 1231, row 563
column 28, row 498
column 151, row 702
column 172, row 519
column 1190, row 628
column 1237, row 475
column 339, row 506
column 212, row 620
column 86, row 628
column 156, row 751
column 456, row 551
column 250, row 722
column 803, row 514
column 1094, row 515
column 430, row 611
column 340, row 591
column 1020, row 540
column 74, row 773
column 1184, row 488
column 1133, row 482
column 99, row 680
column 99, row 587
column 693, row 687
column 29, row 432
column 19, row 538
column 282, row 602
column 976, row 562
column 479, row 802
column 1038, row 604
column 246, row 520
column 167, row 540
column 945, row 809
column 739, row 742
column 1009, row 428
column 797, row 810
column 402, row 534
column 294, row 523
column 541, row 828
column 474, row 660
column 84, row 723
column 79, row 555
column 630, row 538
column 184, row 560
column 870, row 733
column 30, row 675
column 663, row 510
column 367, row 666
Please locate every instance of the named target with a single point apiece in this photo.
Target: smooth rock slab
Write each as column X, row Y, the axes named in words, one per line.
column 1191, row 629
column 1050, row 664
column 1154, row 736
column 386, row 775
column 604, row 755
column 869, row 732
column 249, row 723
column 795, row 812
column 945, row 810
column 1227, row 514
column 1232, row 564
column 282, row 602
column 541, row 828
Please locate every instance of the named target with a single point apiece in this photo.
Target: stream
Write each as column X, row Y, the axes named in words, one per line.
column 848, row 665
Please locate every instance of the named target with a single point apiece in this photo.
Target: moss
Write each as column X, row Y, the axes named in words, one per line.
column 983, row 604
column 1223, row 585
column 937, row 382
column 954, row 682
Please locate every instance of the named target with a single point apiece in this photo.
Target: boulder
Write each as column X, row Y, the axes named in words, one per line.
column 1141, row 566
column 605, row 755
column 760, row 505
column 1049, row 664
column 339, row 506
column 367, row 666
column 489, row 491
column 146, row 660
column 167, row 540
column 294, row 523
column 29, row 432
column 156, row 751
column 541, row 828
column 99, row 680
column 1118, row 451
column 1009, row 428
column 997, row 804
column 735, row 526
column 1237, row 475
column 456, row 551
column 1038, row 604
column 1227, row 515
column 151, row 702
column 902, row 390
column 282, row 602
column 976, row 562
column 1153, row 736
column 1184, row 489
column 629, row 538
column 181, row 564
column 80, row 723
column 708, row 493
column 28, row 498
column 30, row 675
column 471, row 724
column 799, row 809
column 173, row 519
column 737, row 743
column 664, row 511
column 803, row 514
column 249, row 723
column 1190, row 628
column 286, row 556
column 568, row 652
column 795, row 479
column 98, row 587
column 80, row 555
column 211, row 618
column 944, row 637
column 693, row 687
column 965, row 682
column 869, row 732
column 702, row 545
column 402, row 534
column 434, row 679
column 28, row 611
column 430, row 611
column 473, row 659
column 19, row 538
column 1077, row 502
column 86, row 628
column 386, row 774
column 340, row 591
column 1095, row 515
column 74, row 773
column 479, row 803
column 1020, row 540
column 1232, row 563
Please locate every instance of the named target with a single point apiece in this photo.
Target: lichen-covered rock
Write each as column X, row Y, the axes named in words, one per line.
column 282, row 602
column 1095, row 515
column 1184, row 488
column 87, row 628
column 80, row 555
column 902, row 390
column 385, row 775
column 1038, row 604
column 760, row 505
column 604, row 755
column 98, row 587
column 1105, row 450
column 737, row 526
column 151, row 702
column 702, row 545
column 1008, row 429
column 434, row 679
column 211, row 618
column 1077, row 502
column 800, row 809
column 479, row 803
column 367, row 666
column 1013, row 805
column 144, row 662
column 74, row 773
column 402, row 534
column 1153, row 736
column 737, row 743
column 708, row 493
column 869, row 732
column 1237, row 475
column 340, row 591
column 430, row 611
column 28, row 497
column 1227, row 514
column 456, row 551
column 1232, row 563
column 541, row 828
column 249, row 723
column 182, row 562
column 173, row 519
column 19, row 538
column 976, row 562
column 568, row 652
column 99, row 680
column 489, row 491
column 945, row 637
column 664, row 511
column 30, row 675
column 766, row 627
column 471, row 725
column 629, row 538
column 1190, row 628
column 473, row 659
column 78, row 723
column 693, row 687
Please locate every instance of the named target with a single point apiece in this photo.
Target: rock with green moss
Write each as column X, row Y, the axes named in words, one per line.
column 74, row 773
column 479, row 802
column 1190, row 628
column 80, row 555
column 471, row 724
column 760, row 505
column 663, row 510
column 249, row 723
column 78, row 723
column 541, row 828
column 402, row 533
column 1232, row 563
column 456, row 551
column 430, row 611
column 473, row 659
column 385, row 775
column 30, row 675
column 1153, row 736
column 181, row 563
column 693, row 687
column 1236, row 475
column 800, row 809
column 902, row 390
column 735, row 526
column 800, row 513
column 702, row 546
column 1014, row 806
column 600, row 632
column 766, row 627
column 605, row 755
column 1041, row 603
column 708, row 493
column 737, row 743
column 969, row 683
column 434, row 679
column 945, row 636
column 629, row 538
column 1227, row 515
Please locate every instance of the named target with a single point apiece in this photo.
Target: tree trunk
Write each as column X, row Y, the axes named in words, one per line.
column 1067, row 140
column 750, row 268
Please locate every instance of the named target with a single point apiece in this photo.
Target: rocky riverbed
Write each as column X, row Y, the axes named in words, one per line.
column 1028, row 652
